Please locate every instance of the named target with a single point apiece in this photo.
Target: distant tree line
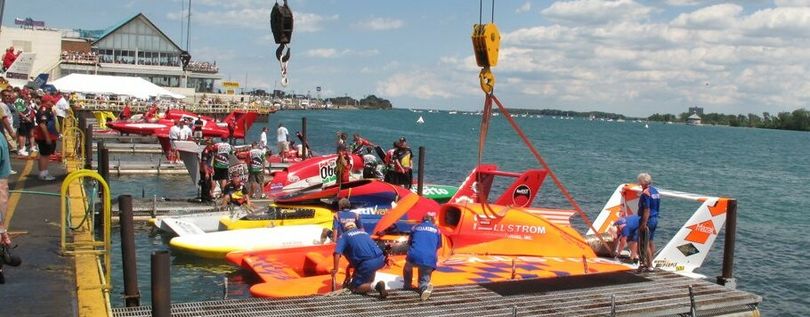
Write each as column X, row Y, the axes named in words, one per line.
column 567, row 113
column 798, row 120
column 369, row 102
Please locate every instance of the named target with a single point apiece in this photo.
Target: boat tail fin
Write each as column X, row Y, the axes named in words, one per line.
column 523, row 190
column 469, row 189
column 623, row 202
column 244, row 120
column 687, row 250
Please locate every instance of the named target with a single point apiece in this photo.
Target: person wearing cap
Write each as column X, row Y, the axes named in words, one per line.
column 340, row 218
column 403, row 172
column 364, row 256
column 627, row 235
column 45, row 134
column 236, row 193
column 423, row 243
column 207, row 170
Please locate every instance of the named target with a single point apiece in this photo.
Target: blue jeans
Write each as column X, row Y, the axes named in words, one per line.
column 424, row 275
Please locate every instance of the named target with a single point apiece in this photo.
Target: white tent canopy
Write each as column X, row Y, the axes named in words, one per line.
column 112, row 85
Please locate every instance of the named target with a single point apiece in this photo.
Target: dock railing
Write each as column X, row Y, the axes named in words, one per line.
column 77, row 226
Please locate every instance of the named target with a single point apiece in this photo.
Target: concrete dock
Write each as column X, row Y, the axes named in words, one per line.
column 45, row 283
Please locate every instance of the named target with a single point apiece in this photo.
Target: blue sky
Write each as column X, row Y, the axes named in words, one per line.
column 625, row 56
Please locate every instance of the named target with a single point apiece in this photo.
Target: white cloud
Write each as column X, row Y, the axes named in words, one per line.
column 333, row 53
column 792, row 3
column 417, row 84
column 595, row 11
column 380, row 24
column 523, row 8
column 683, row 2
column 753, row 59
column 721, row 16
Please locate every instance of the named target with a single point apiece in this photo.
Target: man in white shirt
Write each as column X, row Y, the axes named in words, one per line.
column 263, row 138
column 174, row 134
column 283, row 144
column 185, row 132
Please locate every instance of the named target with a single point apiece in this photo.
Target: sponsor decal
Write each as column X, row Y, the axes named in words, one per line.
column 326, row 170
column 668, row 265
column 432, row 191
column 701, row 232
column 374, row 210
column 484, row 224
column 688, row 249
column 521, row 195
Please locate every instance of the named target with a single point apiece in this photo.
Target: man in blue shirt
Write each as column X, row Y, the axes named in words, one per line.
column 339, row 220
column 648, row 205
column 627, row 235
column 424, row 241
column 364, row 255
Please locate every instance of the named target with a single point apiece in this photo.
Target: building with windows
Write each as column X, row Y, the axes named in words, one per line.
column 134, row 47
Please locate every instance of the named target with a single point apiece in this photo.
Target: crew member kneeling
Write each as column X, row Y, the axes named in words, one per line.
column 364, row 255
column 424, row 241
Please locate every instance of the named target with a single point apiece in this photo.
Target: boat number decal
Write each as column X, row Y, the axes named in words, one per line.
column 326, row 169
column 432, row 191
column 521, row 195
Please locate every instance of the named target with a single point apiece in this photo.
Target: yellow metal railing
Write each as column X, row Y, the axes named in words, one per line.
column 91, row 246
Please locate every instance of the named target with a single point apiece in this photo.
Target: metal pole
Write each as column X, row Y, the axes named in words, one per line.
column 421, row 176
column 161, row 288
column 99, row 146
column 104, row 164
column 304, row 136
column 727, row 277
column 132, row 296
column 88, row 146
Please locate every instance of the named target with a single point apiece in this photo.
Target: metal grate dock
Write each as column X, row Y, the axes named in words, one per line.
column 665, row 294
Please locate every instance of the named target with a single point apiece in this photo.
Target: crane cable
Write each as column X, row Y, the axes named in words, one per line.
column 486, row 46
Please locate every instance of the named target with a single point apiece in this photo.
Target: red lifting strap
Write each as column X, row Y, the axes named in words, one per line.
column 482, row 139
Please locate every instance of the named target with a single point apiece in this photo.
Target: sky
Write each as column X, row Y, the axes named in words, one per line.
column 630, row 57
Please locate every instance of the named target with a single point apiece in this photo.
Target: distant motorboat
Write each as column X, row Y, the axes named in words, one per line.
column 452, row 112
column 646, row 126
column 420, row 120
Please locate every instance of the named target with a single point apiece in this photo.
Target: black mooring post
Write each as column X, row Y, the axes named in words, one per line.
column 727, row 277
column 88, row 146
column 304, row 153
column 104, row 164
column 161, row 288
column 132, row 297
column 421, row 176
column 99, row 145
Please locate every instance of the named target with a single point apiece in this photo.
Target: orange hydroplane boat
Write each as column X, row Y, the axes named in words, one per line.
column 506, row 240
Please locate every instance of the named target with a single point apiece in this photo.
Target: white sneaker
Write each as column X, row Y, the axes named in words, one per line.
column 426, row 293
column 34, row 149
column 22, row 152
column 12, row 172
column 46, row 177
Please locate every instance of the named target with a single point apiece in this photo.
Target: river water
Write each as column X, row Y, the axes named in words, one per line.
column 767, row 171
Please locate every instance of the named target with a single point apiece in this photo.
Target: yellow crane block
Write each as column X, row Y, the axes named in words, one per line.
column 486, row 44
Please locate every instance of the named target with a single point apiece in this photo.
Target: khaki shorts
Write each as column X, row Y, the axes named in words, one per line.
column 283, row 147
